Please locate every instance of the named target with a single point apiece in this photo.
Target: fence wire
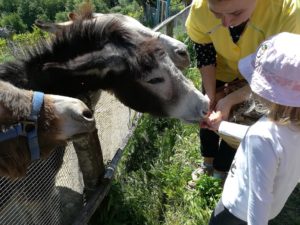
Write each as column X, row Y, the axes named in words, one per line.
column 52, row 191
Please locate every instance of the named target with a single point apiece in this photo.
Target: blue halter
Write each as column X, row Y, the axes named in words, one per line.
column 20, row 129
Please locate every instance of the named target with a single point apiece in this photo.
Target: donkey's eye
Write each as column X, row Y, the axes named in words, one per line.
column 160, row 52
column 156, row 80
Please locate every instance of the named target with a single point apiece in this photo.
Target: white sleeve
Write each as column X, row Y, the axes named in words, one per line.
column 262, row 166
column 235, row 130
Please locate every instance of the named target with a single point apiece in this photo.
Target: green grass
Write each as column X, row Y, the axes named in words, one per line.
column 150, row 186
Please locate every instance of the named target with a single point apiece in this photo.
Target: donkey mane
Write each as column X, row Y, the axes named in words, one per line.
column 81, row 42
column 90, row 37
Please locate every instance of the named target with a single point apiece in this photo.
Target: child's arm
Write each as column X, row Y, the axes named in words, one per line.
column 214, row 122
column 235, row 130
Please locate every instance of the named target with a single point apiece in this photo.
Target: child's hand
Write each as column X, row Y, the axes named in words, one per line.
column 213, row 121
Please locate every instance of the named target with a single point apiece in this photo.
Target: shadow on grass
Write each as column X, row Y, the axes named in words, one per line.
column 145, row 148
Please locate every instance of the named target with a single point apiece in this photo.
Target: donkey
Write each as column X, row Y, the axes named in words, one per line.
column 59, row 120
column 104, row 54
column 175, row 49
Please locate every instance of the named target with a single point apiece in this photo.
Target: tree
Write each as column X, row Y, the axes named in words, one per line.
column 9, row 6
column 14, row 21
column 101, row 6
column 29, row 10
column 52, row 7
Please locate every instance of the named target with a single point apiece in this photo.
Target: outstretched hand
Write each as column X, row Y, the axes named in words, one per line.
column 224, row 106
column 213, row 121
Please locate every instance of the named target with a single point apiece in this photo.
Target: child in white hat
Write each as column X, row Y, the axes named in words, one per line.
column 266, row 166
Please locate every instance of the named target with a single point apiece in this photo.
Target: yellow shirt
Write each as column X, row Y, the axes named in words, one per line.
column 269, row 17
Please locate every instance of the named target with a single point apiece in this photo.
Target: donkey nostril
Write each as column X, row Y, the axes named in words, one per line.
column 181, row 52
column 204, row 112
column 87, row 114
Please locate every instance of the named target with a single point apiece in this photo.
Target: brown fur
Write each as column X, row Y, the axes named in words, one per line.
column 14, row 153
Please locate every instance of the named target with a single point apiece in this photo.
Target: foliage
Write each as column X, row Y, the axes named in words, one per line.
column 176, row 6
column 13, row 20
column 151, row 182
column 134, row 10
column 30, row 38
column 9, row 6
column 30, row 10
column 101, row 6
column 19, row 40
column 57, row 10
column 21, row 14
column 61, row 16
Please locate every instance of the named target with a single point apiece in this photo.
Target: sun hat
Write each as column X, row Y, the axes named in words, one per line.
column 273, row 71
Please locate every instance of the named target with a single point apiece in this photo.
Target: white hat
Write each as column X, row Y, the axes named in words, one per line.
column 273, row 71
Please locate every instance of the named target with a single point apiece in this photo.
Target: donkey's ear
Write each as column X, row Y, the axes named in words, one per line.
column 55, row 28
column 72, row 16
column 100, row 63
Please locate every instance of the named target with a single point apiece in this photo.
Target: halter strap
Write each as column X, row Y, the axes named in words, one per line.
column 20, row 129
column 32, row 136
column 12, row 132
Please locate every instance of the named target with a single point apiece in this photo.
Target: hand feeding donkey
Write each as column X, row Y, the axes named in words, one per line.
column 174, row 48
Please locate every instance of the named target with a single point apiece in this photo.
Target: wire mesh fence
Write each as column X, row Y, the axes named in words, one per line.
column 53, row 190
column 34, row 198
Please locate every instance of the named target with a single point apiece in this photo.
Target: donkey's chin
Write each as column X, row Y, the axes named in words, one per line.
column 191, row 121
column 77, row 136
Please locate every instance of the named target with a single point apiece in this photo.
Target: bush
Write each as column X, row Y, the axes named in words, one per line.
column 13, row 20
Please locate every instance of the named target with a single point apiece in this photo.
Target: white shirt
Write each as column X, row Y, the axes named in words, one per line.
column 264, row 172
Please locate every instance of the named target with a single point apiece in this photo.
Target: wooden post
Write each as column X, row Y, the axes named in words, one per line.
column 89, row 153
column 170, row 28
column 168, row 9
column 157, row 17
column 90, row 160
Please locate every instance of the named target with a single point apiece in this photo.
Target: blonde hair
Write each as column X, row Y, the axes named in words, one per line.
column 285, row 114
column 281, row 114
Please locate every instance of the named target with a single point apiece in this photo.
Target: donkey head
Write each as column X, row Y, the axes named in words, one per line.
column 136, row 69
column 60, row 119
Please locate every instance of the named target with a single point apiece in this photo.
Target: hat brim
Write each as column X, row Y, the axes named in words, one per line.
column 246, row 67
